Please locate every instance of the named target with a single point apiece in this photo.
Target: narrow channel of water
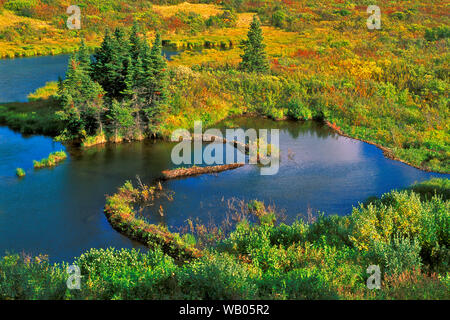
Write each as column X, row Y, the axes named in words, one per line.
column 21, row 76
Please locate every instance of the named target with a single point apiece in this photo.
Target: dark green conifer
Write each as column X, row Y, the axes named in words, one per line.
column 254, row 58
column 83, row 56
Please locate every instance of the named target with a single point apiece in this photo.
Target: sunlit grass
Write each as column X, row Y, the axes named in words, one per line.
column 52, row 160
column 20, row 172
column 49, row 90
column 205, row 10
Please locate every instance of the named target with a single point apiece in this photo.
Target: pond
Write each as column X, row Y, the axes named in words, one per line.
column 59, row 211
column 21, row 76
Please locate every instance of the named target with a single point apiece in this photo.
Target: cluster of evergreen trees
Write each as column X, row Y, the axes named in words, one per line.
column 121, row 90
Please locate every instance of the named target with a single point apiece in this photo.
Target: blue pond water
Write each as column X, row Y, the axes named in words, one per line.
column 59, row 211
column 21, row 76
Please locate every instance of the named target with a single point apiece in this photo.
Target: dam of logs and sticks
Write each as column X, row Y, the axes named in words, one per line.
column 122, row 213
column 196, row 170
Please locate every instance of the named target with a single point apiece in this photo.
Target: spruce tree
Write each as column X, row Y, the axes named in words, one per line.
column 135, row 42
column 83, row 56
column 102, row 60
column 82, row 101
column 159, row 66
column 118, row 66
column 157, row 80
column 121, row 118
column 254, row 58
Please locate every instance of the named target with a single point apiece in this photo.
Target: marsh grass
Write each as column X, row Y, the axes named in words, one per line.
column 20, row 172
column 51, row 161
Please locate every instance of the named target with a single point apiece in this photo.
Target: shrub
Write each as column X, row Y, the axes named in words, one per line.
column 299, row 284
column 400, row 255
column 413, row 284
column 297, row 109
column 23, row 277
column 279, row 18
column 403, row 214
column 437, row 33
column 21, row 7
column 333, row 230
column 218, row 276
column 126, row 274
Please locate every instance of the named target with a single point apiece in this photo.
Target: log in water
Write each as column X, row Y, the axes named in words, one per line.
column 193, row 171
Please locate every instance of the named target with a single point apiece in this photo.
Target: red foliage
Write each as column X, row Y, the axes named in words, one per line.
column 128, row 20
column 335, row 126
column 305, row 53
column 174, row 23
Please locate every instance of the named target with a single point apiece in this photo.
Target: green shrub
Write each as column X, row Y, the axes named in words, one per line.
column 297, row 109
column 218, row 276
column 437, row 33
column 288, row 234
column 126, row 274
column 397, row 256
column 279, row 18
column 333, row 230
column 23, row 277
column 21, row 7
column 403, row 214
column 299, row 284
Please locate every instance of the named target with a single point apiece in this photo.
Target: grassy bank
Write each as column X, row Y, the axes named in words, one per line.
column 388, row 87
column 394, row 119
column 35, row 117
column 406, row 132
column 405, row 232
column 121, row 214
column 51, row 161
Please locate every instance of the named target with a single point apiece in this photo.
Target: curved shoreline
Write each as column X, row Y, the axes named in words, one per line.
column 121, row 215
column 386, row 151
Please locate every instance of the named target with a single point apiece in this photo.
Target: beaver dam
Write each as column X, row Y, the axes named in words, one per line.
column 194, row 171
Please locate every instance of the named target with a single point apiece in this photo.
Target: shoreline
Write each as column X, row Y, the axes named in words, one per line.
column 387, row 152
column 120, row 212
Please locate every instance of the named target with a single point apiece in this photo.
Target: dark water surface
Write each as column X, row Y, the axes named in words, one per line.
column 21, row 76
column 59, row 211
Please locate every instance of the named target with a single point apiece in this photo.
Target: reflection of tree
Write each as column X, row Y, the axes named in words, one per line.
column 295, row 129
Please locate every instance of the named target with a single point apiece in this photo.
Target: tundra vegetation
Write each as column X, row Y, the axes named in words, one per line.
column 405, row 232
column 387, row 86
column 281, row 59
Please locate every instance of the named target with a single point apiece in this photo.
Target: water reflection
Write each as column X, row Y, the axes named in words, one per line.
column 59, row 211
